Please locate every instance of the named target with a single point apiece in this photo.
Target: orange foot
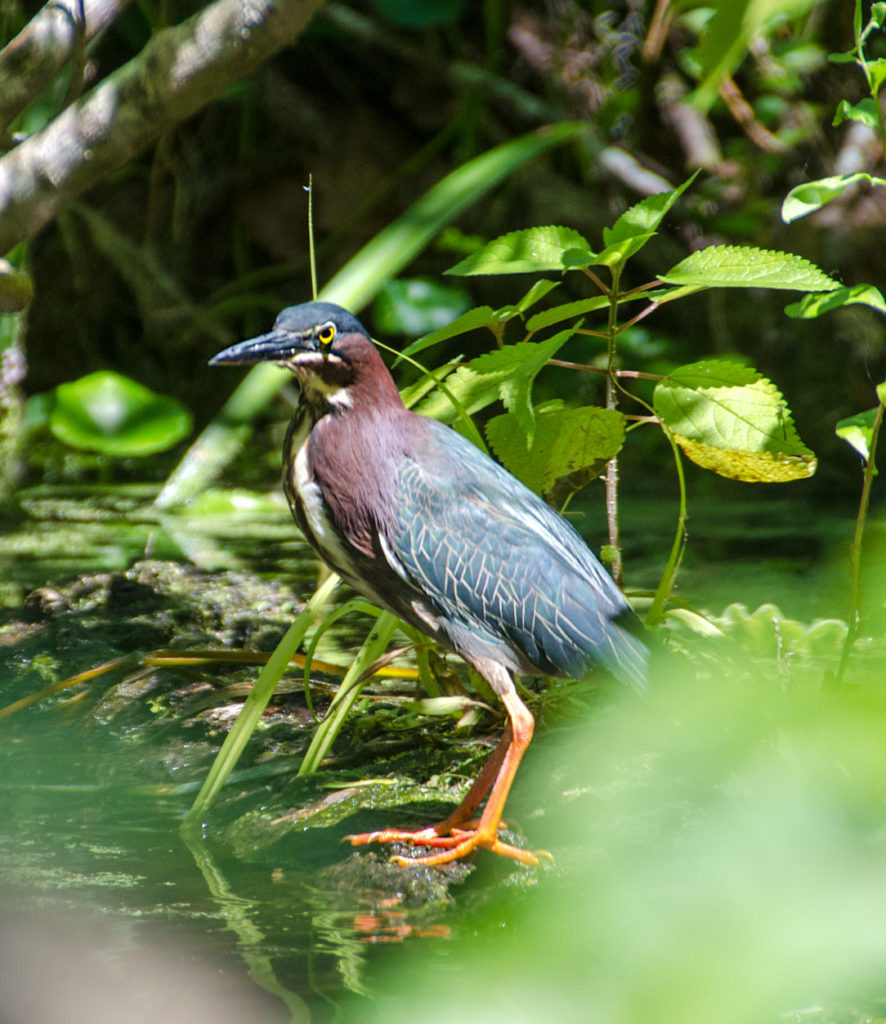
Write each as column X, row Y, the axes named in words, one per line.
column 458, row 843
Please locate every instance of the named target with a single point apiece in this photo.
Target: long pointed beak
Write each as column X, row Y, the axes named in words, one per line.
column 274, row 347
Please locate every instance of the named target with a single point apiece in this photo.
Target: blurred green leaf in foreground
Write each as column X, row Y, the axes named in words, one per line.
column 719, row 857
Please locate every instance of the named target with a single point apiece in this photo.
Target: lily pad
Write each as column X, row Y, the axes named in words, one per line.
column 108, row 413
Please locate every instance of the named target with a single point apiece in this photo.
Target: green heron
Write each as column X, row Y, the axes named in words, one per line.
column 417, row 518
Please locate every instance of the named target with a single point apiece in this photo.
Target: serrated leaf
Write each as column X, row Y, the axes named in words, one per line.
column 529, row 359
column 823, row 302
column 570, row 447
column 812, row 195
column 730, row 419
column 858, row 431
column 531, row 250
column 506, row 374
column 642, row 219
column 738, row 266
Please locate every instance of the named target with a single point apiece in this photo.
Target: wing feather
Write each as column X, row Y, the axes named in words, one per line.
column 504, row 568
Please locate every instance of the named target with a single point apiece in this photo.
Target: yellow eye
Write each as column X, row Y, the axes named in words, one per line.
column 325, row 335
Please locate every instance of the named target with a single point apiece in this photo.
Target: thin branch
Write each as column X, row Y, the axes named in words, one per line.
column 179, row 71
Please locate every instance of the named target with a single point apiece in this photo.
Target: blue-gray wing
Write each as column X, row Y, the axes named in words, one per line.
column 502, row 569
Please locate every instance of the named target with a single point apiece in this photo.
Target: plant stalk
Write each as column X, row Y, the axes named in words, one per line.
column 615, row 559
column 870, row 470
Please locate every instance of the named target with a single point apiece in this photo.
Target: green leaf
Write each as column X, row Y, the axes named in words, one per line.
column 578, row 258
column 858, row 431
column 823, row 302
column 812, row 195
column 738, row 266
column 568, row 311
column 570, row 447
column 877, row 71
column 730, row 419
column 535, row 294
column 418, row 305
column 522, row 252
column 111, row 414
column 506, row 374
column 621, row 251
column 642, row 219
column 480, row 316
column 865, row 112
column 881, row 393
column 526, row 359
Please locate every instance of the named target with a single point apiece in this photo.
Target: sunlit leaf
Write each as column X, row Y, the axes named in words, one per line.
column 812, row 195
column 522, row 252
column 568, row 311
column 823, row 302
column 569, row 448
column 108, row 413
column 645, row 216
column 730, row 419
column 535, row 294
column 858, row 431
column 738, row 266
column 865, row 112
column 621, row 250
column 504, row 374
column 480, row 316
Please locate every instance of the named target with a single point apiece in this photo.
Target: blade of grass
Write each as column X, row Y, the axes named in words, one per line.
column 363, row 666
column 256, row 703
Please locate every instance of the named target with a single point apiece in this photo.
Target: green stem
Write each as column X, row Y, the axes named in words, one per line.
column 360, row 670
column 669, row 576
column 615, row 558
column 870, row 470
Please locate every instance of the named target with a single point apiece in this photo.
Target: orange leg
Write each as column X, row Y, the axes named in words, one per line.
column 457, row 835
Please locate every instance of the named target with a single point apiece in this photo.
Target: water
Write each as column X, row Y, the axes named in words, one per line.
column 267, row 915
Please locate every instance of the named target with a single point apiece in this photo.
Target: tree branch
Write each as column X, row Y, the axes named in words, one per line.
column 29, row 62
column 178, row 72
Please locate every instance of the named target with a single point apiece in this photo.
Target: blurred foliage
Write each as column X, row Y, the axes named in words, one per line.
column 719, row 857
column 108, row 413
